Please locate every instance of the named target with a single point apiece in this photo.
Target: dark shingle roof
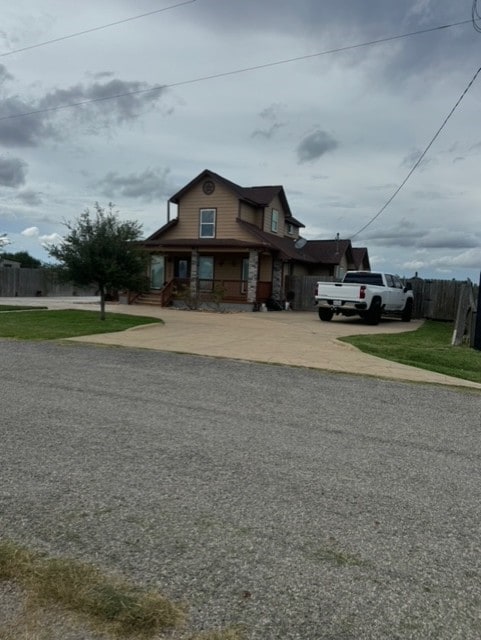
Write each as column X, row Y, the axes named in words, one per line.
column 260, row 196
column 329, row 251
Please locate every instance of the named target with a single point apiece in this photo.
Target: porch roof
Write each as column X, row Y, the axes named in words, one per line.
column 194, row 243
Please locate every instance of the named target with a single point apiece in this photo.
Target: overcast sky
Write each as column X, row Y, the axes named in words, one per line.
column 340, row 131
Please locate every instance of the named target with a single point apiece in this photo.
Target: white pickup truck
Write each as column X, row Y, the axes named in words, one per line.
column 368, row 294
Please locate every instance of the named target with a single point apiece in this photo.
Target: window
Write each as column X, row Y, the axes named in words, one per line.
column 290, row 228
column 275, row 221
column 206, row 273
column 207, row 223
column 244, row 274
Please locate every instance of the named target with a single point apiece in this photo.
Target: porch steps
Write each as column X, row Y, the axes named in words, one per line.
column 153, row 298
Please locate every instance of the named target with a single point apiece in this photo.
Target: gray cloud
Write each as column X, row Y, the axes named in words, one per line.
column 149, row 185
column 411, row 158
column 4, row 75
column 267, row 133
column 29, row 131
column 30, row 197
column 444, row 239
column 315, row 145
column 125, row 107
column 407, row 234
column 335, row 23
column 12, row 172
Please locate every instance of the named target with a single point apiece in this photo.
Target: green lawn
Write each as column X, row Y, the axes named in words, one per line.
column 427, row 348
column 51, row 325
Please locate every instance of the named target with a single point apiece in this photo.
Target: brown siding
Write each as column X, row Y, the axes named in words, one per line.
column 250, row 214
column 229, row 267
column 275, row 204
column 223, row 200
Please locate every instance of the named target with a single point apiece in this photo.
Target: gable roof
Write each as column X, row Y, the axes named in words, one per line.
column 259, row 196
column 286, row 246
column 329, row 251
column 361, row 257
column 156, row 235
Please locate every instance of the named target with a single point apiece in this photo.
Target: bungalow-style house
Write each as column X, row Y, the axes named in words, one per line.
column 243, row 241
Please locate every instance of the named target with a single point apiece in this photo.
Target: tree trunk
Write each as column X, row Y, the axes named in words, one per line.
column 102, row 303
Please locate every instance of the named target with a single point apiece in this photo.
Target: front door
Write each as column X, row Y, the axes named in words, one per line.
column 157, row 272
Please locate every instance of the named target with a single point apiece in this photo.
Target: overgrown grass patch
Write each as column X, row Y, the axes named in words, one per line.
column 109, row 603
column 65, row 323
column 63, row 594
column 429, row 347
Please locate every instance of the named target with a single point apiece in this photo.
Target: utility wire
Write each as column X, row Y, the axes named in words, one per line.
column 103, row 26
column 232, row 73
column 421, row 157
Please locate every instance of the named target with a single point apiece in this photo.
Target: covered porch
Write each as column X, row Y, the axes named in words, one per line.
column 195, row 277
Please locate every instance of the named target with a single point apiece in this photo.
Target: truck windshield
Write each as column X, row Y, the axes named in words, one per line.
column 364, row 277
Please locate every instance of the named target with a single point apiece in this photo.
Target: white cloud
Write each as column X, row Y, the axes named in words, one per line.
column 52, row 239
column 31, row 232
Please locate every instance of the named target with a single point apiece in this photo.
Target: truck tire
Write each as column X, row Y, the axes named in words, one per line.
column 325, row 315
column 407, row 312
column 373, row 316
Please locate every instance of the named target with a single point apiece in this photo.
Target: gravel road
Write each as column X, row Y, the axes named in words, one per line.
column 298, row 504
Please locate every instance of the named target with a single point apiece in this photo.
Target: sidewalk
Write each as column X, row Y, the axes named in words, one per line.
column 285, row 337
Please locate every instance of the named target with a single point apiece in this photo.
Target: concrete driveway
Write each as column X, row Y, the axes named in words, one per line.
column 284, row 337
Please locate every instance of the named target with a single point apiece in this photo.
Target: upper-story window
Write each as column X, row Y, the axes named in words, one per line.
column 275, row 221
column 207, row 223
column 290, row 228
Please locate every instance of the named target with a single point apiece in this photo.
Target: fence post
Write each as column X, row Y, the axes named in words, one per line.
column 477, row 326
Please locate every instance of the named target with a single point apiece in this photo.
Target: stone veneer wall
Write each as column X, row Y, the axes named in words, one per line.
column 253, row 271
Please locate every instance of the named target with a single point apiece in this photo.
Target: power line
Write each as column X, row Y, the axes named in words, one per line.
column 103, row 26
column 421, row 157
column 234, row 72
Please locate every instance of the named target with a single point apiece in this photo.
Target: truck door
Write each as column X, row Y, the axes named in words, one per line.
column 390, row 303
column 399, row 294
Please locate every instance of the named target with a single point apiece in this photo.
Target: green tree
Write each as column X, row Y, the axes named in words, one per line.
column 101, row 250
column 26, row 260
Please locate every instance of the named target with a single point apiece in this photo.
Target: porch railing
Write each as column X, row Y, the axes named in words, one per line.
column 225, row 290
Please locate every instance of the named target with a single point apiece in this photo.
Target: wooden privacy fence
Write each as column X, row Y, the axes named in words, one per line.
column 36, row 282
column 465, row 325
column 433, row 299
column 303, row 289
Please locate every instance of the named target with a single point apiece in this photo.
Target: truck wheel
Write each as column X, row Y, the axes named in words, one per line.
column 325, row 314
column 373, row 316
column 407, row 312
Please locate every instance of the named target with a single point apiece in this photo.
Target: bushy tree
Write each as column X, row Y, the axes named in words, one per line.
column 101, row 250
column 26, row 260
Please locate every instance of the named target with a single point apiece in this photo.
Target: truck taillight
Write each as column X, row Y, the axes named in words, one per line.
column 362, row 293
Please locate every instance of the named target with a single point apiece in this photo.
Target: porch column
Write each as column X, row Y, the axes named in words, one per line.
column 194, row 263
column 276, row 279
column 252, row 276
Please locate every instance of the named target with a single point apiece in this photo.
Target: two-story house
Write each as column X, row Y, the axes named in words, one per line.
column 243, row 240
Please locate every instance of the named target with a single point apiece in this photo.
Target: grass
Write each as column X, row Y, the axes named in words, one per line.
column 53, row 587
column 65, row 323
column 109, row 603
column 429, row 347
